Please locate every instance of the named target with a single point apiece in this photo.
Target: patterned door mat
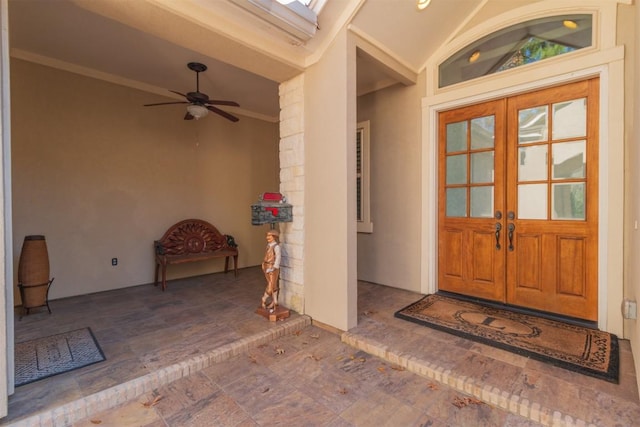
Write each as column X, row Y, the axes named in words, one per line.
column 44, row 357
column 580, row 349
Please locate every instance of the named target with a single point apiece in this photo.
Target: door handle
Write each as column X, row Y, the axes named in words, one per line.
column 511, row 228
column 498, row 228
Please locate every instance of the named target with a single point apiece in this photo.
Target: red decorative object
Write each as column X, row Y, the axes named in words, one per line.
column 272, row 197
column 270, row 209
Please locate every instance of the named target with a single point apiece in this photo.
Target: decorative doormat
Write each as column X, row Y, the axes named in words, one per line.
column 580, row 349
column 44, row 357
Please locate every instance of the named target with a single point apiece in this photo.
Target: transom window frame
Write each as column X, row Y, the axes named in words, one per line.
column 470, row 53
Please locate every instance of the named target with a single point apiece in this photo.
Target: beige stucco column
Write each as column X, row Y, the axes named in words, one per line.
column 330, row 228
column 6, row 270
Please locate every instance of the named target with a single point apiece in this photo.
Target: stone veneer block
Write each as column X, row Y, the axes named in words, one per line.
column 486, row 393
column 438, row 373
column 524, row 408
column 495, row 396
column 468, row 386
column 546, row 418
column 60, row 417
column 513, row 403
column 459, row 382
column 558, row 420
column 445, row 377
column 535, row 411
column 503, row 402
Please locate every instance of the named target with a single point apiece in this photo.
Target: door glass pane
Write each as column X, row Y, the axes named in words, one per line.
column 532, row 201
column 532, row 163
column 457, row 169
column 532, row 125
column 457, row 202
column 482, row 202
column 482, row 131
column 482, row 167
column 456, row 137
column 569, row 159
column 569, row 119
column 568, row 201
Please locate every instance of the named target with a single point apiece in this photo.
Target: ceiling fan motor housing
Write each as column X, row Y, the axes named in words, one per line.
column 197, row 97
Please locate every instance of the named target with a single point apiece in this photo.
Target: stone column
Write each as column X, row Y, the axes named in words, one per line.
column 292, row 187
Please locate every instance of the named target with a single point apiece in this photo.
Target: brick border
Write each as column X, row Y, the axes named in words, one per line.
column 85, row 407
column 487, row 394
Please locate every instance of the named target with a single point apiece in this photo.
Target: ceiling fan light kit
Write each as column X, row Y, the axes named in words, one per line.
column 199, row 103
column 197, row 111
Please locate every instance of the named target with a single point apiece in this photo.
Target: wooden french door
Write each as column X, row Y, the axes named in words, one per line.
column 518, row 200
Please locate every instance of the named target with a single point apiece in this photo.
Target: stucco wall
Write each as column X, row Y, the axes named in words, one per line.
column 101, row 177
column 628, row 34
column 391, row 254
column 330, row 279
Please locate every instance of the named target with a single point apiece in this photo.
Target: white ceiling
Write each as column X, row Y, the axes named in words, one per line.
column 147, row 43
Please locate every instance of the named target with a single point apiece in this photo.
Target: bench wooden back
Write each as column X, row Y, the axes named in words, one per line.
column 191, row 236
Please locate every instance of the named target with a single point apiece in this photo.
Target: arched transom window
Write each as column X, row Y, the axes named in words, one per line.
column 517, row 45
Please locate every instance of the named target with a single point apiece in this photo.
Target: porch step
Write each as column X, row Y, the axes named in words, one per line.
column 485, row 393
column 85, row 407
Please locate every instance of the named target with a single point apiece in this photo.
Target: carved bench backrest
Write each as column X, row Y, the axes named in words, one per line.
column 191, row 236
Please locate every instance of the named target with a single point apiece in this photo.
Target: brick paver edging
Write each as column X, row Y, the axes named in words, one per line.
column 487, row 394
column 85, row 407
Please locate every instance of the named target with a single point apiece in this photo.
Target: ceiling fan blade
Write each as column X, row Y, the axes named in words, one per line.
column 218, row 102
column 178, row 93
column 222, row 113
column 165, row 103
column 188, row 116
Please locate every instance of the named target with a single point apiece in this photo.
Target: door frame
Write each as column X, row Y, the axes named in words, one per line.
column 610, row 152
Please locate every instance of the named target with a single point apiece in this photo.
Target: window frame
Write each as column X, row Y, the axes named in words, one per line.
column 363, row 177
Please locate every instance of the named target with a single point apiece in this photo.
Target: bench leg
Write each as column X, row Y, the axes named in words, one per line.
column 155, row 282
column 164, row 277
column 235, row 264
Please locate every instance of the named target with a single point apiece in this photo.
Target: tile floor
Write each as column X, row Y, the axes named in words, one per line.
column 198, row 355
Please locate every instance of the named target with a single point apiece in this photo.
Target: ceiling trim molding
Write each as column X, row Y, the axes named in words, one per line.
column 121, row 81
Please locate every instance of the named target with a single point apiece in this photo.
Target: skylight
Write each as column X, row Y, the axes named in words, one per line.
column 294, row 17
column 304, row 2
column 314, row 5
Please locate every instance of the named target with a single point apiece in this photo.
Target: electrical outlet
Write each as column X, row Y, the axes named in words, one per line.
column 114, row 261
column 629, row 309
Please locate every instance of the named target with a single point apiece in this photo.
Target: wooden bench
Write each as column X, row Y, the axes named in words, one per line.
column 193, row 240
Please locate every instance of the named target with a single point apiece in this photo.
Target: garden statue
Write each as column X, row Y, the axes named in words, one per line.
column 271, row 269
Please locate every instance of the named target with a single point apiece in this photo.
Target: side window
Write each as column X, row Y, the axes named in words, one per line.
column 363, row 212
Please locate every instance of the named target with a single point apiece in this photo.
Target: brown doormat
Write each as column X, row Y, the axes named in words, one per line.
column 580, row 349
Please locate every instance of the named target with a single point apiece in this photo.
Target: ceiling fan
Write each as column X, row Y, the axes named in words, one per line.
column 199, row 103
